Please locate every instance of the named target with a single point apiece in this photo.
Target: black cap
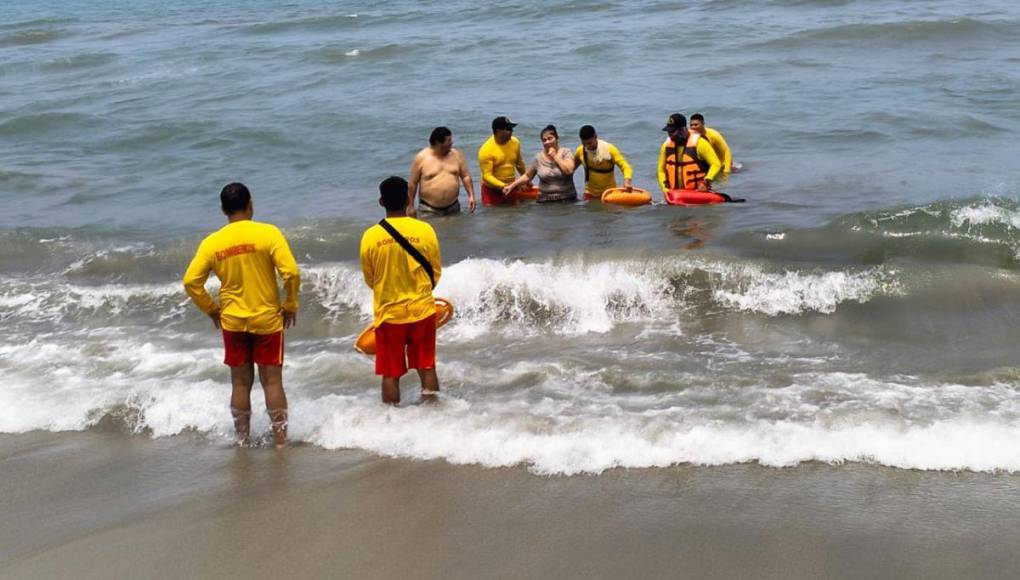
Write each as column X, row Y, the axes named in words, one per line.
column 503, row 123
column 675, row 122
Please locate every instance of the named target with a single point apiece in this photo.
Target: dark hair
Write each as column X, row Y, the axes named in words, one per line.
column 698, row 117
column 586, row 132
column 234, row 197
column 548, row 129
column 393, row 193
column 439, row 134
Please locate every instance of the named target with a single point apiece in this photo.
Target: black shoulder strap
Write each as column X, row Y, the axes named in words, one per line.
column 392, row 231
column 678, row 164
column 587, row 163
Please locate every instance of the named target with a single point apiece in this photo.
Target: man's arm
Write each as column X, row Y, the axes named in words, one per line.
column 707, row 154
column 621, row 162
column 723, row 149
column 412, row 183
column 285, row 264
column 366, row 260
column 465, row 178
column 579, row 156
column 487, row 165
column 194, row 284
column 661, row 167
column 519, row 164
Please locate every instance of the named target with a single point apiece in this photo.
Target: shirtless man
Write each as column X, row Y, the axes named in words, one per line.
column 436, row 174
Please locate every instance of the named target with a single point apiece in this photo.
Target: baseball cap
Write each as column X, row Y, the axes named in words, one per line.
column 674, row 122
column 503, row 123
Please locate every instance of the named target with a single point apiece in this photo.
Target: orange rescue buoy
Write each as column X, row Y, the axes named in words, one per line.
column 620, row 196
column 365, row 343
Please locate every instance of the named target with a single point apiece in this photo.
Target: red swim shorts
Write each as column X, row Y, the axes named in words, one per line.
column 493, row 196
column 417, row 339
column 242, row 348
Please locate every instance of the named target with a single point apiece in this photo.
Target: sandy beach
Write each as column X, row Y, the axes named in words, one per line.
column 98, row 505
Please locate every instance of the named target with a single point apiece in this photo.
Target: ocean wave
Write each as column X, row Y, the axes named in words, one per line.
column 389, row 51
column 574, row 296
column 937, row 32
column 37, row 300
column 569, row 296
column 31, row 37
column 981, row 221
column 558, row 421
column 35, row 124
column 319, row 23
column 980, row 231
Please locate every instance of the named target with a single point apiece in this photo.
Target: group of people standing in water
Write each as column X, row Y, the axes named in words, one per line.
column 400, row 256
column 691, row 158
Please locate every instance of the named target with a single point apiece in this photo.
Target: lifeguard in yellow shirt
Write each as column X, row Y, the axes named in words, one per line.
column 722, row 150
column 600, row 159
column 500, row 161
column 402, row 283
column 686, row 160
column 246, row 256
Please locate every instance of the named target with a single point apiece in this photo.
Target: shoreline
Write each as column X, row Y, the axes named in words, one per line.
column 103, row 504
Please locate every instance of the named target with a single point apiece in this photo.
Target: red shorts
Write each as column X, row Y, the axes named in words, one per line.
column 492, row 196
column 418, row 339
column 242, row 348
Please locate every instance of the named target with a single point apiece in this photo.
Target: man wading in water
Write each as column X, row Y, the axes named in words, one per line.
column 436, row 174
column 246, row 256
column 401, row 264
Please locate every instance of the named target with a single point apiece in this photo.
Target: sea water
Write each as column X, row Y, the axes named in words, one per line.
column 861, row 306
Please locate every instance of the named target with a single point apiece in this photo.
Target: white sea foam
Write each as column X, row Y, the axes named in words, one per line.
column 354, row 52
column 559, row 417
column 578, row 297
column 53, row 300
column 794, row 292
column 983, row 214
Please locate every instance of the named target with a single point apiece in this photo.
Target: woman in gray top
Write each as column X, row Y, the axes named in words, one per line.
column 554, row 166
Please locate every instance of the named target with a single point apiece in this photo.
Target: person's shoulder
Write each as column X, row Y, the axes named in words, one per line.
column 421, row 154
column 712, row 132
column 266, row 228
column 515, row 141
column 486, row 144
column 425, row 227
column 371, row 233
column 580, row 150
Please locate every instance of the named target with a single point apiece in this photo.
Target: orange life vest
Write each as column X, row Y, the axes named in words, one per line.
column 690, row 172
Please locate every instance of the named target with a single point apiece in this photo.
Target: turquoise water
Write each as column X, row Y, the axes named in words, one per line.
column 861, row 306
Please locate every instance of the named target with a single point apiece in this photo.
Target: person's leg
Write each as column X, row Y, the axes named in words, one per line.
column 390, row 361
column 271, row 377
column 429, row 385
column 241, row 380
column 391, row 390
column 421, row 355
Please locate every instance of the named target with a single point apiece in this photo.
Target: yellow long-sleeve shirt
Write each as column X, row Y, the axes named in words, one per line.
column 705, row 152
column 498, row 162
column 401, row 291
column 245, row 255
column 601, row 176
column 722, row 150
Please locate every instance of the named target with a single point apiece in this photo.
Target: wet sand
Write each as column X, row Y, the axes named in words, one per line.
column 101, row 505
